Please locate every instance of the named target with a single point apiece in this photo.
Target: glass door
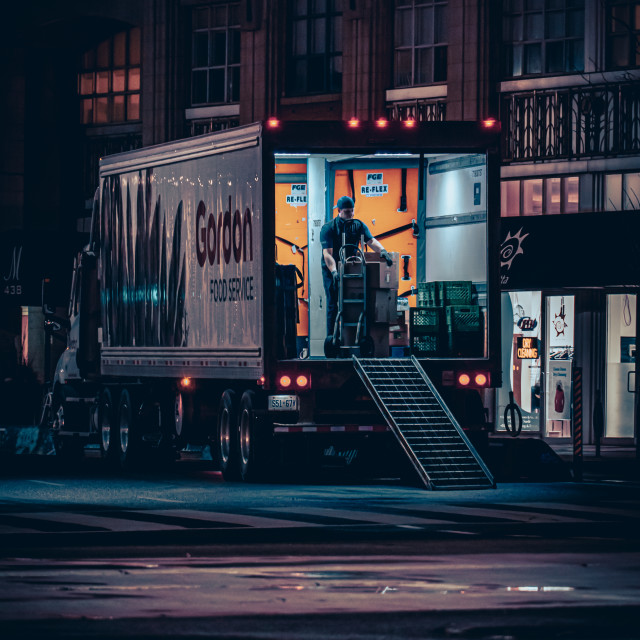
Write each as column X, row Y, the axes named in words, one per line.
column 558, row 365
column 620, row 381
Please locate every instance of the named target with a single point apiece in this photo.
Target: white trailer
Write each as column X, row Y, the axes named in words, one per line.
column 181, row 306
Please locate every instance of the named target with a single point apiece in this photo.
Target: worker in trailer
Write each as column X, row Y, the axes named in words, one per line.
column 331, row 241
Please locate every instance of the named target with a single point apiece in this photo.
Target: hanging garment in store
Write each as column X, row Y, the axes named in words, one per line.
column 559, row 399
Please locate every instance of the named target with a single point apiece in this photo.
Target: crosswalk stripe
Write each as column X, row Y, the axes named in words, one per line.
column 366, row 516
column 497, row 513
column 100, row 522
column 235, row 518
column 629, row 513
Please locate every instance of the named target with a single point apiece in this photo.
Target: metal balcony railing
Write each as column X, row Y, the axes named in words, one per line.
column 419, row 110
column 570, row 123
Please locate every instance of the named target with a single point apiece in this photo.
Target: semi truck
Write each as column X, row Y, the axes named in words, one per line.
column 197, row 309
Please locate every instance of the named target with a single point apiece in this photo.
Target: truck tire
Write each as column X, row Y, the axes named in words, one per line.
column 253, row 441
column 128, row 438
column 107, row 428
column 226, row 439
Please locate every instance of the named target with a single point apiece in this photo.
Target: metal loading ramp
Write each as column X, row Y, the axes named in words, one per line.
column 427, row 431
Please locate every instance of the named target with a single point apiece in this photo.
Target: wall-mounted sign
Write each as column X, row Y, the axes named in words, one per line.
column 374, row 186
column 298, row 196
column 527, row 348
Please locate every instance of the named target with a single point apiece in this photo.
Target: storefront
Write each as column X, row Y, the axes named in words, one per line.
column 569, row 317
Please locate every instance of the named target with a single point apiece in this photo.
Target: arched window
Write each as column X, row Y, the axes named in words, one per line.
column 109, row 80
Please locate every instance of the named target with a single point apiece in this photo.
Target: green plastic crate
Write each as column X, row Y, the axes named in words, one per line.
column 466, row 344
column 428, row 345
column 428, row 294
column 463, row 318
column 455, row 292
column 425, row 320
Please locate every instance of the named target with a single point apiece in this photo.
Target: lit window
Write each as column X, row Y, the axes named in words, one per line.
column 215, row 54
column 531, row 197
column 109, row 80
column 420, row 42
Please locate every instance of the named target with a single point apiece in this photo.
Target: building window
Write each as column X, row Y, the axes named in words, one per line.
column 314, row 47
column 215, row 63
column 540, row 196
column 109, row 80
column 420, row 42
column 543, row 36
column 622, row 192
column 623, row 34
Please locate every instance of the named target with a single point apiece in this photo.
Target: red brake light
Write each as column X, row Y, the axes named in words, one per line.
column 285, row 382
column 302, row 382
column 464, row 379
column 480, row 379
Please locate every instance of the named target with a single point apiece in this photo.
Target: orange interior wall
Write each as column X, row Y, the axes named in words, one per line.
column 291, row 239
column 381, row 215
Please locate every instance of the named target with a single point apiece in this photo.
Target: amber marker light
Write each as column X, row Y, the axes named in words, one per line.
column 410, row 123
column 489, row 123
column 273, row 122
column 480, row 379
column 464, row 379
column 302, row 382
column 354, row 122
column 186, row 383
column 285, row 382
column 261, row 380
column 381, row 122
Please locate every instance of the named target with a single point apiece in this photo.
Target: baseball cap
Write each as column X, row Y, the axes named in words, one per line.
column 345, row 203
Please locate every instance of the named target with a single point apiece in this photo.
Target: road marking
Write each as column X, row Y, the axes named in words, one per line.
column 244, row 520
column 52, row 484
column 158, row 499
column 364, row 516
column 100, row 522
column 494, row 512
column 629, row 513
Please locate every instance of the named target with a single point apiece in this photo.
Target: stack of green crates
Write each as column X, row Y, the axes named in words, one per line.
column 426, row 329
column 445, row 321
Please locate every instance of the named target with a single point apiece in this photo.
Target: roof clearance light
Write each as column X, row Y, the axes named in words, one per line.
column 185, row 383
column 489, row 123
column 410, row 123
column 354, row 122
column 273, row 122
column 464, row 379
column 480, row 379
column 285, row 382
column 302, row 381
column 381, row 122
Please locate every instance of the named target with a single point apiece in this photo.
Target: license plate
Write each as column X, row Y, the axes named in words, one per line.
column 283, row 403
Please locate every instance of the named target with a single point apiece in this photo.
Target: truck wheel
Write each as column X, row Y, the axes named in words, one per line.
column 253, row 442
column 107, row 427
column 126, row 443
column 226, row 442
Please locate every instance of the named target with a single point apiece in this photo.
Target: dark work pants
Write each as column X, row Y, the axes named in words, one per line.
column 332, row 300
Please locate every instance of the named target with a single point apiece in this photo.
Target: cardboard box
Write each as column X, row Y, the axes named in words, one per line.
column 379, row 274
column 382, row 305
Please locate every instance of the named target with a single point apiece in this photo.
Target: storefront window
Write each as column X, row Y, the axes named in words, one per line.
column 621, row 346
column 520, row 341
column 558, row 367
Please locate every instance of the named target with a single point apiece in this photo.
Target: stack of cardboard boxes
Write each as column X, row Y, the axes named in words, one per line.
column 381, row 286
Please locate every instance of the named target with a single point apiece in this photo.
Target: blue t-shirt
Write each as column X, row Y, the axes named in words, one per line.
column 331, row 235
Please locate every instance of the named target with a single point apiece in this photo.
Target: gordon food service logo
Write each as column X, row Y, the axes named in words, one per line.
column 511, row 247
